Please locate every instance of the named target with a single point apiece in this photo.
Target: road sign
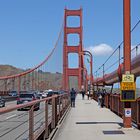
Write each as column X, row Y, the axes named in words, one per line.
column 128, row 86
column 128, row 78
column 127, row 112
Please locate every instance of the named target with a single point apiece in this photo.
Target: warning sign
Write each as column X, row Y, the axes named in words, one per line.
column 128, row 78
column 128, row 86
column 127, row 112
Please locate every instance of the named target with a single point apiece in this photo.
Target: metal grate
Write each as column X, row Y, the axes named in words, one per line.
column 113, row 132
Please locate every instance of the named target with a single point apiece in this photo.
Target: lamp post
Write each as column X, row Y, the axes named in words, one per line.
column 85, row 52
column 86, row 79
column 91, row 62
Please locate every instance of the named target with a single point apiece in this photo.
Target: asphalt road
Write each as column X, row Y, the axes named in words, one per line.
column 15, row 125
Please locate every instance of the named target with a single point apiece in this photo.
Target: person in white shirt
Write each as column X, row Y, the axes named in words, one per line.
column 88, row 94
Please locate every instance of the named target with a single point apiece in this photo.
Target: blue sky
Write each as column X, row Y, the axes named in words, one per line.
column 29, row 28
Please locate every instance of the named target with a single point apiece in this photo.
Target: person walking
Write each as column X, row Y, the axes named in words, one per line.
column 99, row 98
column 103, row 98
column 83, row 94
column 73, row 96
column 88, row 94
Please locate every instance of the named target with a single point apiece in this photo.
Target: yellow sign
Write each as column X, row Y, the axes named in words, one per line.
column 128, row 86
column 128, row 78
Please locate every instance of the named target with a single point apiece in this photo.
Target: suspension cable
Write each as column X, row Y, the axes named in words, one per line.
column 119, row 45
column 38, row 66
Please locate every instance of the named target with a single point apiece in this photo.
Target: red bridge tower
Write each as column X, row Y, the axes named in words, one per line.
column 67, row 72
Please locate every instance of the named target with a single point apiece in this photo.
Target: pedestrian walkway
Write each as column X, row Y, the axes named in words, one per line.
column 87, row 121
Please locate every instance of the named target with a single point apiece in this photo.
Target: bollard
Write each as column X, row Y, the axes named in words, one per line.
column 59, row 100
column 62, row 105
column 46, row 135
column 54, row 113
column 31, row 123
column 138, row 113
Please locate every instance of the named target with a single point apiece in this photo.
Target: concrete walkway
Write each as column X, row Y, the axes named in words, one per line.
column 87, row 121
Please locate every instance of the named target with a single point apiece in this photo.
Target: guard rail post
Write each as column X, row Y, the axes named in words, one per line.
column 138, row 113
column 31, row 123
column 56, row 103
column 46, row 135
column 59, row 109
column 54, row 112
column 63, row 105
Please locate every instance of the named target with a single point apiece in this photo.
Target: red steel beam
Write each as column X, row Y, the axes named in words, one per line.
column 114, row 77
column 73, row 49
column 127, row 54
column 127, row 37
column 70, row 30
column 73, row 72
column 73, row 12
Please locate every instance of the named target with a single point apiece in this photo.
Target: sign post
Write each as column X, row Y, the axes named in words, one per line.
column 127, row 121
column 128, row 88
column 128, row 94
column 127, row 112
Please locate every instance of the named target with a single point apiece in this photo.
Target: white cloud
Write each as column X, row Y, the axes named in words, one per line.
column 101, row 49
column 135, row 51
column 133, row 46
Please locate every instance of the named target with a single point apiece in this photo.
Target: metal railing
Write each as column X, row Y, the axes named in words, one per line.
column 112, row 101
column 53, row 108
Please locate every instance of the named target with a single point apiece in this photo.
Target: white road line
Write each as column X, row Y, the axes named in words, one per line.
column 11, row 116
column 10, row 103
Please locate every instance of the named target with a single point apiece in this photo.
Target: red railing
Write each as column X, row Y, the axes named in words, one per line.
column 4, row 93
column 112, row 101
column 58, row 104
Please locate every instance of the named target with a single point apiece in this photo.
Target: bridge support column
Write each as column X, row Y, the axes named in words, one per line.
column 127, row 54
column 76, row 72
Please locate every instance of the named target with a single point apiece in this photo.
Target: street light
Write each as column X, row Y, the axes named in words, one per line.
column 85, row 52
column 91, row 62
column 86, row 79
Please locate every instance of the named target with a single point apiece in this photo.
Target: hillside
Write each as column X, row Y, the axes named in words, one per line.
column 47, row 80
column 9, row 70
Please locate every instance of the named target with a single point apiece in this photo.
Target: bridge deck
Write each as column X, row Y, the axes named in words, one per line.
column 87, row 121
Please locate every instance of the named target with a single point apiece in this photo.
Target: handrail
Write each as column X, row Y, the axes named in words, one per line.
column 59, row 107
column 11, row 108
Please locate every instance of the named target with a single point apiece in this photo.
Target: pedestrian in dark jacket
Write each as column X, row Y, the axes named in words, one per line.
column 103, row 98
column 83, row 94
column 99, row 97
column 73, row 96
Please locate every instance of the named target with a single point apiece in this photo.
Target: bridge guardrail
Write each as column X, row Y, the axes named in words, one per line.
column 4, row 93
column 53, row 109
column 112, row 101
